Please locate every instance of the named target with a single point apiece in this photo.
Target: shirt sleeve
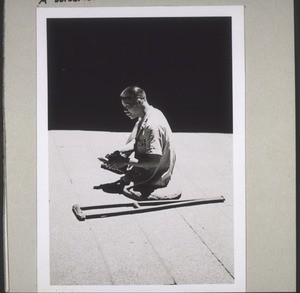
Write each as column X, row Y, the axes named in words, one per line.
column 153, row 140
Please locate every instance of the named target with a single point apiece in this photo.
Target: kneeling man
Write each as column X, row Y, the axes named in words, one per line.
column 148, row 158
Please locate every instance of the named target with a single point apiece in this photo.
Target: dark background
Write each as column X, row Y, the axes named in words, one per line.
column 184, row 65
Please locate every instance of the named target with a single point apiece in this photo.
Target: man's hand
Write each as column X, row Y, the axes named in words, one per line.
column 118, row 163
column 116, row 160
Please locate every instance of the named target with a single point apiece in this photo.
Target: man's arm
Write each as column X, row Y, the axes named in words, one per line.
column 125, row 151
column 128, row 148
column 149, row 161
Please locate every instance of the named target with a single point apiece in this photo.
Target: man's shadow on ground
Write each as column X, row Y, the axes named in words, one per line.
column 138, row 193
column 118, row 188
column 113, row 187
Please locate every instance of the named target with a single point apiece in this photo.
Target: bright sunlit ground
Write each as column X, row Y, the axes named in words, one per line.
column 186, row 245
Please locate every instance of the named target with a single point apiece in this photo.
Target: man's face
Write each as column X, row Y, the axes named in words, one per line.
column 132, row 110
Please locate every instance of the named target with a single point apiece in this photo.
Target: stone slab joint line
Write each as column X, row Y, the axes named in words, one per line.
column 208, row 248
column 67, row 172
column 99, row 248
column 159, row 257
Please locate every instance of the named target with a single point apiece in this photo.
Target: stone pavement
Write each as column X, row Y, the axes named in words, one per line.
column 186, row 245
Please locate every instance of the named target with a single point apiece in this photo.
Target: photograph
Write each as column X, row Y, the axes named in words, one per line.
column 140, row 151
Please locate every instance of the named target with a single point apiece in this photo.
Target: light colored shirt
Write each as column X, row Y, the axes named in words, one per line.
column 154, row 136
